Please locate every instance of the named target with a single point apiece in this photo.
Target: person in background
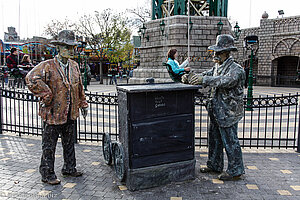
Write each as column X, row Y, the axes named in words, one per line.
column 121, row 74
column 12, row 59
column 12, row 63
column 114, row 74
column 171, row 60
column 34, row 62
column 247, row 69
column 130, row 74
column 26, row 61
column 93, row 68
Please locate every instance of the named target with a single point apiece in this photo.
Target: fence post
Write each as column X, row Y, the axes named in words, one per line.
column 298, row 148
column 1, row 106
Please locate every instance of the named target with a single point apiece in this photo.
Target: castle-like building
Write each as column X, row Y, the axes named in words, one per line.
column 12, row 35
column 277, row 60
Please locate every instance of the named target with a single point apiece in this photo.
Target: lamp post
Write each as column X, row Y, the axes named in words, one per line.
column 220, row 27
column 143, row 31
column 237, row 31
column 80, row 49
column 251, row 43
column 162, row 27
column 85, row 70
column 78, row 53
column 140, row 33
column 250, row 84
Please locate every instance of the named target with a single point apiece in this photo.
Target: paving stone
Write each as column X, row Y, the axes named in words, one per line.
column 99, row 193
column 252, row 187
column 252, row 167
column 284, row 192
column 69, row 185
column 286, row 171
column 296, row 187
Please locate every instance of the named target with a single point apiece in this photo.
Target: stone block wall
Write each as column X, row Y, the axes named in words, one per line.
column 153, row 52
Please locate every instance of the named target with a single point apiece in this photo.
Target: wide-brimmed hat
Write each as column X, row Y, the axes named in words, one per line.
column 224, row 42
column 65, row 37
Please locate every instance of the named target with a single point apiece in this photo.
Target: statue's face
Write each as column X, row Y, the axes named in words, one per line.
column 66, row 51
column 220, row 57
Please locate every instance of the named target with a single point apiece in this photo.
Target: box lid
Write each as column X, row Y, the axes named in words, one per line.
column 157, row 87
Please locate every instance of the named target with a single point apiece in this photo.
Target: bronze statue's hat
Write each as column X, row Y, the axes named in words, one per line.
column 224, row 42
column 65, row 37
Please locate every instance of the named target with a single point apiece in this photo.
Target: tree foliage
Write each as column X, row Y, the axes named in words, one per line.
column 106, row 33
column 140, row 14
column 54, row 27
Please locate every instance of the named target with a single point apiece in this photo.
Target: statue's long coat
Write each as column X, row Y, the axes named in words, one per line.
column 57, row 91
column 227, row 90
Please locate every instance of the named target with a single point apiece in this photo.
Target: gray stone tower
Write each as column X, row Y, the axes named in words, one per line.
column 169, row 29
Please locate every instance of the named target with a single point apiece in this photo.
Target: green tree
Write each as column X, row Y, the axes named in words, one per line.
column 107, row 34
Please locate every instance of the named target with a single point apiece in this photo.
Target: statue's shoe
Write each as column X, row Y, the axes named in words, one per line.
column 74, row 174
column 226, row 177
column 207, row 170
column 52, row 181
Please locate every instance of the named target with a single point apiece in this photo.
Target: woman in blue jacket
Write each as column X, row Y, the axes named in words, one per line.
column 176, row 68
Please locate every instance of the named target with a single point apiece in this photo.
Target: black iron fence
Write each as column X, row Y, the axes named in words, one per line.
column 272, row 123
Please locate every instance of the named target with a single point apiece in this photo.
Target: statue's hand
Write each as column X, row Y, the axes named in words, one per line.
column 195, row 79
column 184, row 78
column 84, row 112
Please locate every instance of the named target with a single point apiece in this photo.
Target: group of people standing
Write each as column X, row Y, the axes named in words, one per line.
column 113, row 73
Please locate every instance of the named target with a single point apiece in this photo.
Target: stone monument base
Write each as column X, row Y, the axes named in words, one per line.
column 153, row 51
column 153, row 176
column 159, row 75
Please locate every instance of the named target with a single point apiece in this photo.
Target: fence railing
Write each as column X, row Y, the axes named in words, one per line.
column 272, row 123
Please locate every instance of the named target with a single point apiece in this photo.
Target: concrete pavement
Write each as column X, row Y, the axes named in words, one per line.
column 270, row 174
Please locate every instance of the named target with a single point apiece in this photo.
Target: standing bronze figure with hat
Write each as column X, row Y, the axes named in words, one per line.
column 225, row 108
column 57, row 82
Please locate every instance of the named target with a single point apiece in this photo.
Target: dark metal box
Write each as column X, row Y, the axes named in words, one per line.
column 157, row 131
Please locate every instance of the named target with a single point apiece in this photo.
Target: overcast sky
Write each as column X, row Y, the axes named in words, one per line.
column 36, row 14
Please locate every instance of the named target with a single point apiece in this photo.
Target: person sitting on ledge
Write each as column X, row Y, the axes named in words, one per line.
column 176, row 68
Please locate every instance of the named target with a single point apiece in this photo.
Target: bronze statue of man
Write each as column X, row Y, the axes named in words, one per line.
column 225, row 108
column 57, row 82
